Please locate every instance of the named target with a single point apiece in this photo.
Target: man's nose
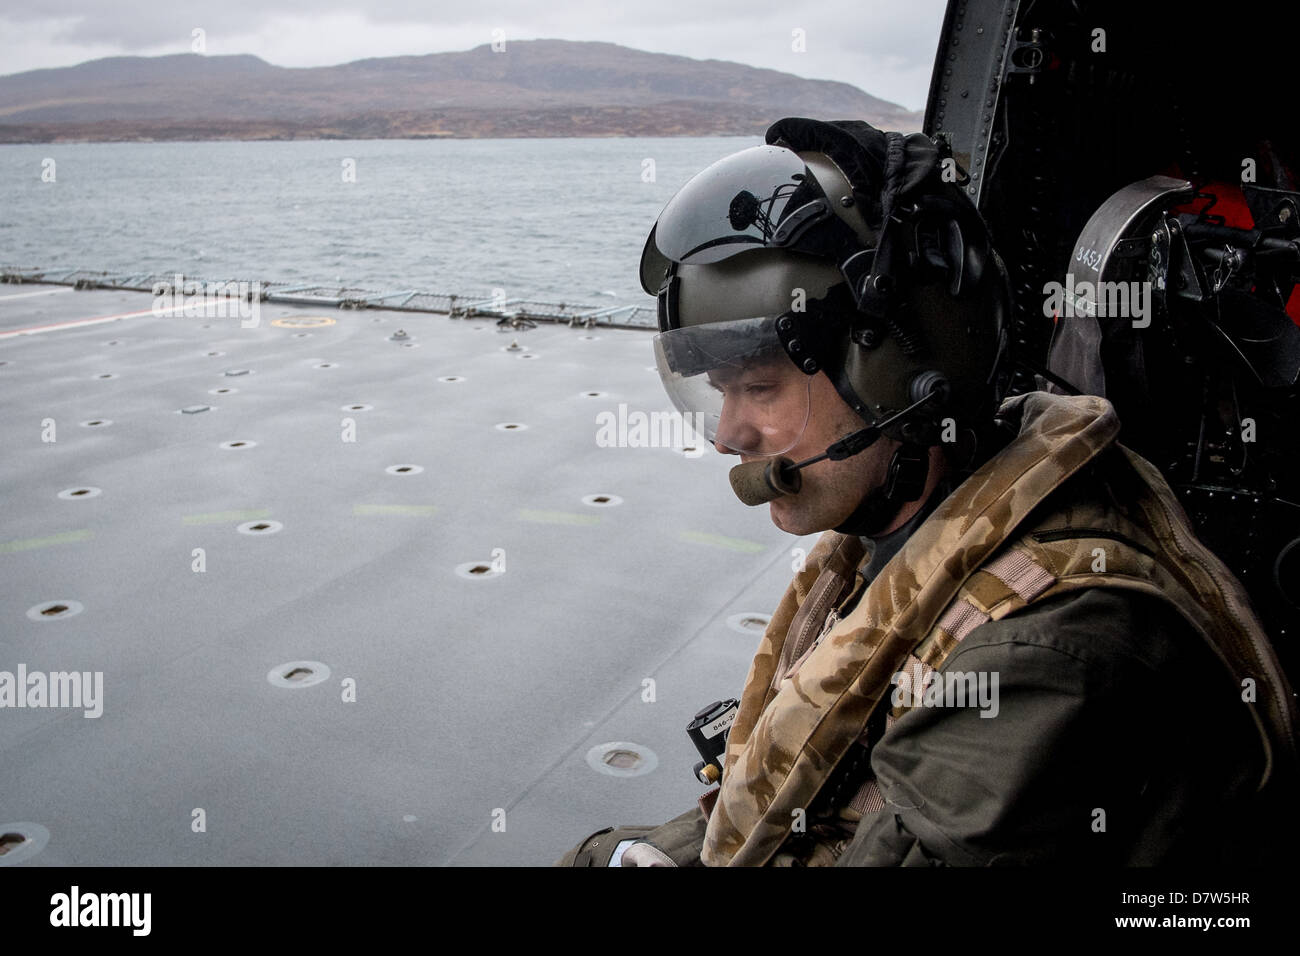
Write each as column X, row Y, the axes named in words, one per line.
column 735, row 434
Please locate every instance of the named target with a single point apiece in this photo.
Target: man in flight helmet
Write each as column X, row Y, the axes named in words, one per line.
column 1007, row 647
column 771, row 267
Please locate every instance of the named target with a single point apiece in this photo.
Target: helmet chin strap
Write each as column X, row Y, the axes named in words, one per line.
column 908, row 470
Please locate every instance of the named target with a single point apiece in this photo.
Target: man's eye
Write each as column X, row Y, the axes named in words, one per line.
column 746, row 389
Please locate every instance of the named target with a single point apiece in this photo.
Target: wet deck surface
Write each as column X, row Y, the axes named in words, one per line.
column 473, row 693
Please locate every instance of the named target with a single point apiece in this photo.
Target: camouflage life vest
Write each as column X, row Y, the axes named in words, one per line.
column 990, row 549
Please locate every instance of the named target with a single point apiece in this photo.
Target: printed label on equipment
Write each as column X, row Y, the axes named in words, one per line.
column 719, row 725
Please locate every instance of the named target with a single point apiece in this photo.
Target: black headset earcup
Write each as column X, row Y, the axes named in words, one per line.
column 953, row 241
column 975, row 259
column 968, row 253
column 956, row 255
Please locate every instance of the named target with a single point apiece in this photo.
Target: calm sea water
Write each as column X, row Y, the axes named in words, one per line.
column 555, row 219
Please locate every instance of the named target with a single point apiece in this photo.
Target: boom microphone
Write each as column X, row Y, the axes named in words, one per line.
column 758, row 482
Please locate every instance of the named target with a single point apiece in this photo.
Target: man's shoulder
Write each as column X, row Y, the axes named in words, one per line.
column 1103, row 634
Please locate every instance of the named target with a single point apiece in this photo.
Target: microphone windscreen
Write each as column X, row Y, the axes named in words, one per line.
column 758, row 482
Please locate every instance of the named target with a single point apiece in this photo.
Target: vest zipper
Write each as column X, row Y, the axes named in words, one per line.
column 832, row 619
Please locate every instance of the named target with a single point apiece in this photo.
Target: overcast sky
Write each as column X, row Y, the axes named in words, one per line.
column 885, row 47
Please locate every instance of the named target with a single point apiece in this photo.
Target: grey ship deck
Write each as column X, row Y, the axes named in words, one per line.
column 475, row 693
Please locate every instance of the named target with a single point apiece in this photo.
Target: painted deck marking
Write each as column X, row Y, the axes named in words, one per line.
column 28, row 295
column 28, row 544
column 722, row 541
column 556, row 517
column 78, row 323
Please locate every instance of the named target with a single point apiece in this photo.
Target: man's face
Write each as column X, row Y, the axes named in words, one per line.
column 762, row 409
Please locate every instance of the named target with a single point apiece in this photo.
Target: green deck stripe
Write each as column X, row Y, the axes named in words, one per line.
column 556, row 517
column 29, row 544
column 721, row 541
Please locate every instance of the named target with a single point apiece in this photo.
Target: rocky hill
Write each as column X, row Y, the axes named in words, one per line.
column 531, row 88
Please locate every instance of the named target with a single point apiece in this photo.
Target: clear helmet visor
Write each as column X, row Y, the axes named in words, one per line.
column 735, row 385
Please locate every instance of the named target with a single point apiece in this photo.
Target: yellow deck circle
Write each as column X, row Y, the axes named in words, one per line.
column 303, row 321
